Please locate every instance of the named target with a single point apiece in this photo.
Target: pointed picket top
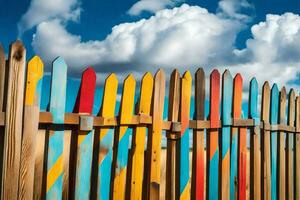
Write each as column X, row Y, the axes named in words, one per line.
column 214, row 98
column 282, row 105
column 59, row 82
column 87, row 91
column 34, row 75
column 109, row 96
column 265, row 101
column 174, row 95
column 186, row 87
column 187, row 76
column 200, row 93
column 126, row 112
column 200, row 72
column 17, row 51
column 253, row 104
column 146, row 93
column 227, row 86
column 291, row 115
column 274, row 104
column 160, row 74
column 237, row 93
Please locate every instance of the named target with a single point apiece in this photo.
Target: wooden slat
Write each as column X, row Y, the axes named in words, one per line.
column 198, row 168
column 173, row 114
column 213, row 141
column 297, row 150
column 54, row 185
column 85, row 139
column 183, row 145
column 139, row 140
column 281, row 176
column 2, row 77
column 106, row 138
column 31, row 122
column 13, row 128
column 265, row 144
column 274, row 135
column 255, row 153
column 289, row 147
column 227, row 86
column 155, row 136
column 122, row 138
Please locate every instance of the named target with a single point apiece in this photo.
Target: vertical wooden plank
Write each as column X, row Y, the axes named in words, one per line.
column 85, row 139
column 13, row 124
column 106, row 138
column 274, row 135
column 289, row 147
column 255, row 153
column 126, row 112
column 173, row 114
column 2, row 77
column 281, row 146
column 198, row 170
column 297, row 150
column 265, row 144
column 213, row 141
column 155, row 136
column 139, row 139
column 184, row 150
column 31, row 122
column 56, row 137
column 227, row 87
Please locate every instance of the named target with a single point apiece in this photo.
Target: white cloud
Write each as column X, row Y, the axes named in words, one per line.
column 42, row 10
column 152, row 6
column 235, row 9
column 185, row 37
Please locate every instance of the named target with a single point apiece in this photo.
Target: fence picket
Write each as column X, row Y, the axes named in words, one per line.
column 106, row 138
column 255, row 153
column 227, row 87
column 85, row 139
column 274, row 136
column 139, row 139
column 173, row 114
column 122, row 138
column 297, row 150
column 2, row 77
column 198, row 168
column 56, row 137
column 213, row 141
column 155, row 136
column 281, row 176
column 31, row 121
column 185, row 96
column 265, row 144
column 13, row 122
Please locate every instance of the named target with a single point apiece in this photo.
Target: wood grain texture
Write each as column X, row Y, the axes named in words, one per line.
column 265, row 144
column 155, row 136
column 85, row 139
column 139, row 139
column 2, row 77
column 297, row 151
column 255, row 153
column 227, row 91
column 172, row 175
column 289, row 147
column 274, row 135
column 213, row 138
column 106, row 138
column 30, row 130
column 281, row 176
column 184, row 146
column 54, row 186
column 122, row 138
column 14, row 116
column 198, row 163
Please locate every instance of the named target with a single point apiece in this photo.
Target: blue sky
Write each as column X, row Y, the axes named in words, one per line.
column 137, row 36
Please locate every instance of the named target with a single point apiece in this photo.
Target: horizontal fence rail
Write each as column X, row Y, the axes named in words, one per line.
column 55, row 154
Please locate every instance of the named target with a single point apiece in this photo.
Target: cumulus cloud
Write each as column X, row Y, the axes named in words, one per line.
column 185, row 37
column 42, row 10
column 236, row 9
column 151, row 6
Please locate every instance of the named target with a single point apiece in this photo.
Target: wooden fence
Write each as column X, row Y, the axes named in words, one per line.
column 56, row 155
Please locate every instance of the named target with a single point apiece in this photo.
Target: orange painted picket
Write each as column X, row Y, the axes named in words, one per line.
column 145, row 151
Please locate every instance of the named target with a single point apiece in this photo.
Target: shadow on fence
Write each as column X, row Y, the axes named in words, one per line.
column 77, row 155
